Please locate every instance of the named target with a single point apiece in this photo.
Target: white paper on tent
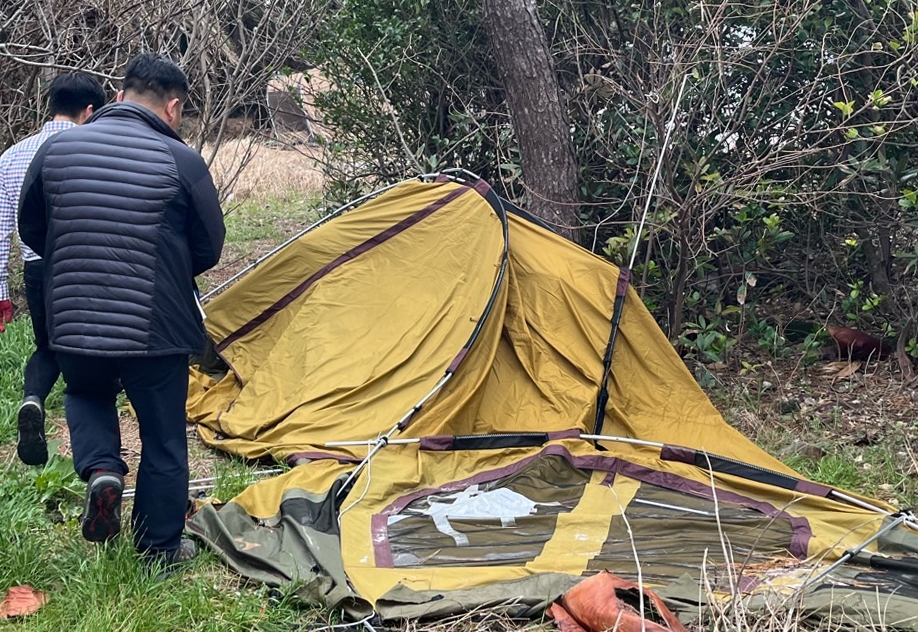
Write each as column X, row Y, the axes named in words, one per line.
column 471, row 503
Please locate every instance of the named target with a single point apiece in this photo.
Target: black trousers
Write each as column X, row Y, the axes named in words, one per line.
column 157, row 388
column 41, row 371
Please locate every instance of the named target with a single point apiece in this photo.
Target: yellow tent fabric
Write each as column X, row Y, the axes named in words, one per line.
column 357, row 348
column 347, row 331
column 362, row 334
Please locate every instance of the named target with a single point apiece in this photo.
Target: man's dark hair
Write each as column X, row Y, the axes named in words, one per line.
column 154, row 76
column 70, row 93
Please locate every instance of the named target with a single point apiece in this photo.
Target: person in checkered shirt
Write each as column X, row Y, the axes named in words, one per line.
column 73, row 97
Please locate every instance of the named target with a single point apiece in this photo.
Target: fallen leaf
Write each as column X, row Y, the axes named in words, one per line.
column 834, row 367
column 20, row 601
column 848, row 371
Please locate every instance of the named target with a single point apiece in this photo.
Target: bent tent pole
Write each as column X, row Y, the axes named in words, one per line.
column 709, row 462
column 386, row 439
column 497, row 205
column 335, row 213
column 624, row 277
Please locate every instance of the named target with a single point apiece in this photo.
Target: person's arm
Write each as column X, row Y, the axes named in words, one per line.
column 206, row 229
column 8, row 204
column 33, row 213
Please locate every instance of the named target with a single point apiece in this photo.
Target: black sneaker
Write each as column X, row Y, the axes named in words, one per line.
column 186, row 551
column 165, row 565
column 31, row 445
column 102, row 513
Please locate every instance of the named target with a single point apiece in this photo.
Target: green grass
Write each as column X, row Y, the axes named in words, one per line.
column 94, row 588
column 253, row 221
column 873, row 470
column 233, row 474
column 841, row 444
column 15, row 348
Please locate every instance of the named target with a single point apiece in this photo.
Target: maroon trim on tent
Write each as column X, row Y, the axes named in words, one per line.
column 802, row 533
column 801, row 527
column 231, row 367
column 557, row 435
column 437, row 443
column 482, row 187
column 675, row 453
column 458, row 360
column 320, row 456
column 747, row 584
column 382, row 550
column 624, row 279
column 814, row 489
column 358, row 250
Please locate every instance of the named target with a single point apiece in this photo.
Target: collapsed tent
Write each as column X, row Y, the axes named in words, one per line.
column 432, row 364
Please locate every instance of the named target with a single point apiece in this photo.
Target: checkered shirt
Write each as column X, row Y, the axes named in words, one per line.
column 14, row 163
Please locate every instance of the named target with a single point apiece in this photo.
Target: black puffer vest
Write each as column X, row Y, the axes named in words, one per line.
column 125, row 216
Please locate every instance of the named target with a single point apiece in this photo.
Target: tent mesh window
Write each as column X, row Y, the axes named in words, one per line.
column 505, row 522
column 676, row 533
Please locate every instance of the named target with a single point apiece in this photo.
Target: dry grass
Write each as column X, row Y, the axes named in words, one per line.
column 273, row 172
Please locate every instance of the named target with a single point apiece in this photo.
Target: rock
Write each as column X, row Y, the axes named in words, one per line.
column 788, row 406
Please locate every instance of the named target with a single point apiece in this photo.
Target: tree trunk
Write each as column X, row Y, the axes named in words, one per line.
column 539, row 116
column 878, row 261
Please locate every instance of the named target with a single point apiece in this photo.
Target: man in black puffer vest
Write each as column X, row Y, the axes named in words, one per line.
column 125, row 215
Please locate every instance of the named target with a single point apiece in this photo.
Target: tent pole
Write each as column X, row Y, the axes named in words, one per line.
column 383, row 441
column 501, row 213
column 901, row 517
column 624, row 279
